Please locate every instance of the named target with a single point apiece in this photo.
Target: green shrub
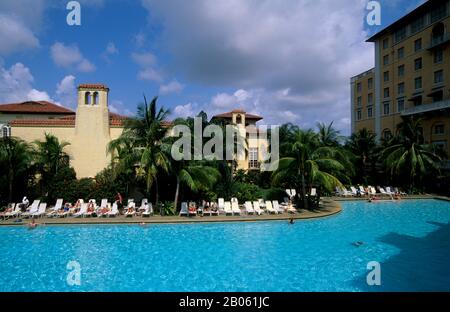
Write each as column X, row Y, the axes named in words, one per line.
column 245, row 191
column 275, row 193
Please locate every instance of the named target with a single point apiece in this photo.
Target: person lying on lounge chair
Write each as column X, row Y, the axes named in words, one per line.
column 77, row 205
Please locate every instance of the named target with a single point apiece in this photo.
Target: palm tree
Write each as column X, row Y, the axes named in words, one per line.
column 145, row 133
column 50, row 155
column 309, row 163
column 15, row 161
column 408, row 155
column 194, row 175
column 363, row 146
column 328, row 136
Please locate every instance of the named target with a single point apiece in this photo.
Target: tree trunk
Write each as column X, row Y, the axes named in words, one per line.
column 305, row 201
column 177, row 192
column 157, row 196
column 10, row 186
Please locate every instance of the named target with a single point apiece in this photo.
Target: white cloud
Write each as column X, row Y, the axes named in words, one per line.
column 36, row 95
column 144, row 59
column 298, row 55
column 150, row 74
column 147, row 63
column 118, row 107
column 184, row 111
column 70, row 57
column 172, row 87
column 66, row 91
column 15, row 36
column 16, row 86
column 111, row 48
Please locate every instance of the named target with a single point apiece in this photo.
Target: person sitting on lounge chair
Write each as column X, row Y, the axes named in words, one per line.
column 77, row 205
column 91, row 207
column 25, row 203
column 192, row 209
column 130, row 209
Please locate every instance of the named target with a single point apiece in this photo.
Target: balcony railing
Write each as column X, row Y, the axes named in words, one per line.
column 435, row 42
column 425, row 108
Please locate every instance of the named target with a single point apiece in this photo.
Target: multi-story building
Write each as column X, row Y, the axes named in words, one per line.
column 411, row 76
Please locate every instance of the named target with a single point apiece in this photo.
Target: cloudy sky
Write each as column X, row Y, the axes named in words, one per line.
column 286, row 60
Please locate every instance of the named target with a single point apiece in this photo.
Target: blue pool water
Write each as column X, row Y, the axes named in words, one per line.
column 410, row 240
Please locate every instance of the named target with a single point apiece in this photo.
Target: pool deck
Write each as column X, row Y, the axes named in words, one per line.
column 330, row 207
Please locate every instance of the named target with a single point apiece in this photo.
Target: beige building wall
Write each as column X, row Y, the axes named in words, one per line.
column 399, row 50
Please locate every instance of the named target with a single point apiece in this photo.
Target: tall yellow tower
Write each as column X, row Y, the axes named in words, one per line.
column 92, row 130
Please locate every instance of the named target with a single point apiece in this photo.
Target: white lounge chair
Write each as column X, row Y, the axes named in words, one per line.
column 83, row 210
column 373, row 190
column 41, row 210
column 184, row 209
column 103, row 203
column 221, row 205
column 262, row 203
column 148, row 210
column 143, row 206
column 235, row 208
column 276, row 207
column 269, row 207
column 346, row 192
column 389, row 191
column 32, row 209
column 361, row 190
column 114, row 210
column 249, row 208
column 353, row 190
column 14, row 213
column 227, row 208
column 313, row 192
column 53, row 211
column 398, row 191
column 256, row 208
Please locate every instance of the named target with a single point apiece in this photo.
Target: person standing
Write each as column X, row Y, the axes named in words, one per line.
column 119, row 201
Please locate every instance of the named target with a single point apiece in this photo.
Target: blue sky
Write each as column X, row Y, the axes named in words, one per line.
column 289, row 61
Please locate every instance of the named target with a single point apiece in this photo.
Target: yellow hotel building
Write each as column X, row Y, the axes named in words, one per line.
column 93, row 126
column 411, row 76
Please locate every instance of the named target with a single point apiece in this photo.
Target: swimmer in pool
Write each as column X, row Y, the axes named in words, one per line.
column 291, row 220
column 32, row 225
column 357, row 244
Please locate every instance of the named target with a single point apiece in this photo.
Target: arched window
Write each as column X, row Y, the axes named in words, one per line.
column 6, row 131
column 87, row 98
column 437, row 35
column 95, row 98
column 238, row 119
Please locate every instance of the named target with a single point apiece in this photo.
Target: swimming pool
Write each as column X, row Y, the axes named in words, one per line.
column 410, row 240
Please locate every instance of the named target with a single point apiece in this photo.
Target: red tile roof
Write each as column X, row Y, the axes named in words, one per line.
column 115, row 120
column 92, row 86
column 229, row 115
column 28, row 107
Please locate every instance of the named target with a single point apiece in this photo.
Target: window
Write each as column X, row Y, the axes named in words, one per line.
column 418, row 64
column 401, row 70
column 401, row 53
column 438, row 56
column 418, row 24
column 359, row 101
column 418, row 83
column 439, row 76
column 358, row 114
column 417, row 101
column 438, row 96
column 370, row 99
column 438, row 13
column 253, row 158
column 95, row 98
column 386, row 43
column 369, row 112
column 386, row 108
column 386, row 76
column 401, row 88
column 400, row 105
column 87, row 98
column 400, row 34
column 387, row 134
column 439, row 130
column 358, row 87
column 386, row 92
column 6, row 131
column 386, row 60
column 370, row 83
column 418, row 45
